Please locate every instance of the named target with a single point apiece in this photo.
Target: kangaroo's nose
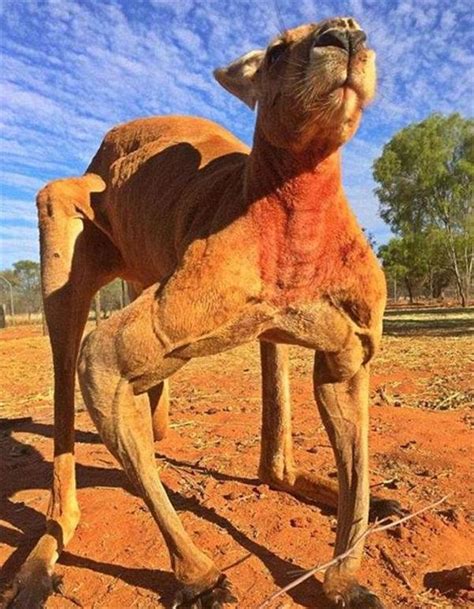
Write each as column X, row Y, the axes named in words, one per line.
column 357, row 39
column 347, row 40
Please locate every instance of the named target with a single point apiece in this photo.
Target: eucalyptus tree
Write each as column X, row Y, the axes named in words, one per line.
column 425, row 179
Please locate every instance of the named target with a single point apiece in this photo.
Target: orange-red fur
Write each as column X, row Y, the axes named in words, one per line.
column 234, row 245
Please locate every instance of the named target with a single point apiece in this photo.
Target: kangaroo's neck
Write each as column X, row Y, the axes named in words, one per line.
column 294, row 180
column 298, row 206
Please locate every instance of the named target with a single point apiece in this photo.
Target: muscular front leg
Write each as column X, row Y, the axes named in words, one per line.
column 277, row 466
column 344, row 410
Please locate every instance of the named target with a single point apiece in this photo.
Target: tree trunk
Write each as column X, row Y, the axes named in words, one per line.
column 410, row 290
column 432, row 289
column 455, row 265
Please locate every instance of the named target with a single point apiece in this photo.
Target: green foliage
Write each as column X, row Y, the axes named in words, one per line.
column 25, row 278
column 425, row 174
column 28, row 275
column 111, row 296
column 419, row 261
column 425, row 182
column 28, row 284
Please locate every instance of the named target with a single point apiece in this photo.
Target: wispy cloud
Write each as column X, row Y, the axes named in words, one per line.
column 71, row 70
column 17, row 211
column 18, row 242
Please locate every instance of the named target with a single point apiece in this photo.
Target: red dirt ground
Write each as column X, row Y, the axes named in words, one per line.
column 420, row 444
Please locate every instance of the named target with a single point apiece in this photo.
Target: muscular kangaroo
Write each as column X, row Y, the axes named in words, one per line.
column 229, row 245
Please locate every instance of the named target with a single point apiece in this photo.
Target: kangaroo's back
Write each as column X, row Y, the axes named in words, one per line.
column 161, row 174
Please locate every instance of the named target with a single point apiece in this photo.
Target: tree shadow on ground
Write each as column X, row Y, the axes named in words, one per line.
column 422, row 309
column 428, row 327
column 23, row 468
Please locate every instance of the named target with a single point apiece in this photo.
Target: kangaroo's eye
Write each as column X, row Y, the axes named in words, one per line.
column 274, row 54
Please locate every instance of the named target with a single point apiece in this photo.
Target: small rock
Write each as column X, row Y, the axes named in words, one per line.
column 450, row 514
column 451, row 581
column 424, row 473
column 398, row 532
column 211, row 411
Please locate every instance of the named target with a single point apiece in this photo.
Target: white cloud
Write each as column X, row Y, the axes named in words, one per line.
column 17, row 210
column 21, row 181
column 71, row 70
column 17, row 243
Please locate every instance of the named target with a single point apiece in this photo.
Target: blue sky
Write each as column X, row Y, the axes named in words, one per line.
column 71, row 69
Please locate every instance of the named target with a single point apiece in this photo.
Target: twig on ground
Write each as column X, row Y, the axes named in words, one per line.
column 396, row 568
column 448, row 399
column 237, row 562
column 182, row 424
column 377, row 527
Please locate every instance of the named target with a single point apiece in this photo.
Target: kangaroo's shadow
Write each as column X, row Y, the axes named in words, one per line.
column 24, row 468
column 222, row 476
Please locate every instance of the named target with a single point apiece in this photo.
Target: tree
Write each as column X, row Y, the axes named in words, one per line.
column 112, row 297
column 403, row 259
column 370, row 238
column 8, row 283
column 439, row 271
column 419, row 261
column 28, row 284
column 426, row 182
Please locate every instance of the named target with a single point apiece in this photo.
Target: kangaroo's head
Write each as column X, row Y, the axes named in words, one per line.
column 310, row 84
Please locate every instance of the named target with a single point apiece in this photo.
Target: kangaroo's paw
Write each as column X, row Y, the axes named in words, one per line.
column 358, row 597
column 31, row 588
column 216, row 597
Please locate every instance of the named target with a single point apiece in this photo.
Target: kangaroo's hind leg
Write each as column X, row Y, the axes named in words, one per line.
column 343, row 405
column 115, row 358
column 76, row 260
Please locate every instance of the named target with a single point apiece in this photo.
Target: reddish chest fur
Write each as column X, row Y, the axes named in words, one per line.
column 309, row 240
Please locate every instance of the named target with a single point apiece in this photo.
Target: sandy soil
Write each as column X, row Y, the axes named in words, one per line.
column 420, row 444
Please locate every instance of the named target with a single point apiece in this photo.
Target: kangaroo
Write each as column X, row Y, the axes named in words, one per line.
column 226, row 245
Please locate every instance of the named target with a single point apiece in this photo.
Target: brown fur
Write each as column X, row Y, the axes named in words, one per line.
column 231, row 245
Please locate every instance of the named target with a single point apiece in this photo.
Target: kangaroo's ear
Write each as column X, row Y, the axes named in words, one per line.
column 239, row 77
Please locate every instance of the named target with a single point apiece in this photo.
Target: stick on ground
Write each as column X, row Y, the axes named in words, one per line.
column 375, row 528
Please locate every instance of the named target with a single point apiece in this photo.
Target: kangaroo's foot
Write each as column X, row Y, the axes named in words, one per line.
column 215, row 597
column 31, row 588
column 359, row 597
column 312, row 487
